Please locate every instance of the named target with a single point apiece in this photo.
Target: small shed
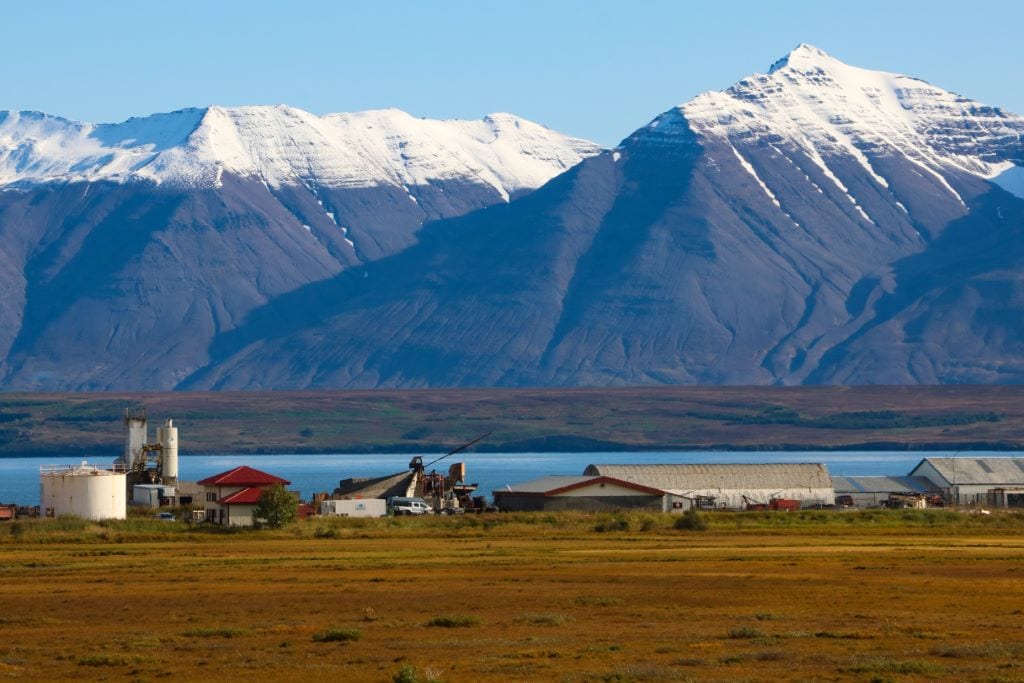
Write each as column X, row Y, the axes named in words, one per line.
column 153, row 495
column 729, row 486
column 873, row 491
column 590, row 493
column 993, row 482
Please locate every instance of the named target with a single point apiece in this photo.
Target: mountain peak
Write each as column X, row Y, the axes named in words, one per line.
column 821, row 108
column 803, row 55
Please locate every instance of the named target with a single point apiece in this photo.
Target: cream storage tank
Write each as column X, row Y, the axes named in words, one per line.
column 87, row 491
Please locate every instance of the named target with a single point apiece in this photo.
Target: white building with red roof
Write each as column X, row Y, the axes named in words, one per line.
column 231, row 496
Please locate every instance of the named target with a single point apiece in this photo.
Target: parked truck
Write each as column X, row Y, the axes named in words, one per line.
column 400, row 505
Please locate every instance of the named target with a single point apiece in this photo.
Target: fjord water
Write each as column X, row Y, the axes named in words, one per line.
column 19, row 477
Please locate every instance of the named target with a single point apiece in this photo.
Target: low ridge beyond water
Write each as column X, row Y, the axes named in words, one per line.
column 19, row 477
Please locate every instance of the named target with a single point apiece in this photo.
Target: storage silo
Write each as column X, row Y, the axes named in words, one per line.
column 168, row 438
column 136, row 433
column 85, row 490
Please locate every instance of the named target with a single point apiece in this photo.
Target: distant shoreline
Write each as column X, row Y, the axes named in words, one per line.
column 545, row 420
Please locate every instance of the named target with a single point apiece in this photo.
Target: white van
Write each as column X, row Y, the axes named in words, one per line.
column 409, row 506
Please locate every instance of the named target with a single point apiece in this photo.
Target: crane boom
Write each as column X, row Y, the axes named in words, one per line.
column 459, row 449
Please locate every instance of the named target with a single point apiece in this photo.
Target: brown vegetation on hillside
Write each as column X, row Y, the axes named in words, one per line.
column 665, row 418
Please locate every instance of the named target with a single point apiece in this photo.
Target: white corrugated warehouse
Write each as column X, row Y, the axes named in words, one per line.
column 996, row 482
column 88, row 491
column 730, row 486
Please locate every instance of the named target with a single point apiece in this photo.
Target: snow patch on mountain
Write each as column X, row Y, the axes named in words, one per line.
column 750, row 169
column 283, row 145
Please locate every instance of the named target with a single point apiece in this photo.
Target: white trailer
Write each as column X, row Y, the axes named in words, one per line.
column 358, row 507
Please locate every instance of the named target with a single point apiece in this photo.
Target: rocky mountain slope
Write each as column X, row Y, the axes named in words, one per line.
column 819, row 223
column 129, row 247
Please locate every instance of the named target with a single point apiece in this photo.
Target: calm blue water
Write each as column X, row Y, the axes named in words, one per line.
column 19, row 477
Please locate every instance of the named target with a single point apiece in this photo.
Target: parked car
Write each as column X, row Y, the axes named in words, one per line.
column 409, row 506
column 165, row 516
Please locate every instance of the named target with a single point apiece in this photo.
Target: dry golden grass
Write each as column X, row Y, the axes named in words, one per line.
column 518, row 598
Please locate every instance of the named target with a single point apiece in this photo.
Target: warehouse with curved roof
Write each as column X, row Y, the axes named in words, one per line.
column 729, row 486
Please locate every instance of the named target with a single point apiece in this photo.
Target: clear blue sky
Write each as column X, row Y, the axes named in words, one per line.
column 590, row 68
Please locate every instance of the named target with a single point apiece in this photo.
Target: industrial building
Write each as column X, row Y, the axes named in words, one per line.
column 231, row 496
column 144, row 469
column 674, row 488
column 733, row 487
column 88, row 491
column 152, row 467
column 581, row 493
column 443, row 492
column 991, row 482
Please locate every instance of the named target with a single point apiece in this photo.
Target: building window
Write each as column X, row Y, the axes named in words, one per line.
column 211, row 497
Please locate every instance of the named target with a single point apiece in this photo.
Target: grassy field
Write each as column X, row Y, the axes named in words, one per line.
column 912, row 595
column 665, row 418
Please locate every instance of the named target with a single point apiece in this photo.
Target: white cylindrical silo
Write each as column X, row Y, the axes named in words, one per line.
column 168, row 438
column 84, row 490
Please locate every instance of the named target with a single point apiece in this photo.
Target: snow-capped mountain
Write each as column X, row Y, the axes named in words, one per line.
column 282, row 145
column 127, row 247
column 815, row 223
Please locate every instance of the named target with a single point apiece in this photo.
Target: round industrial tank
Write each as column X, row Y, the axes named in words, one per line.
column 168, row 438
column 85, row 490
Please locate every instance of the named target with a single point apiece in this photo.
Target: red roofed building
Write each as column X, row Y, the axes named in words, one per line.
column 231, row 496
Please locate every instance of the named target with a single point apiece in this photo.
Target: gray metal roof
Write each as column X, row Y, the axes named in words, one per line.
column 549, row 483
column 776, row 476
column 959, row 471
column 882, row 485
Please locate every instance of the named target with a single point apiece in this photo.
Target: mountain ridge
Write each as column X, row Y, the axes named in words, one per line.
column 820, row 223
column 191, row 147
